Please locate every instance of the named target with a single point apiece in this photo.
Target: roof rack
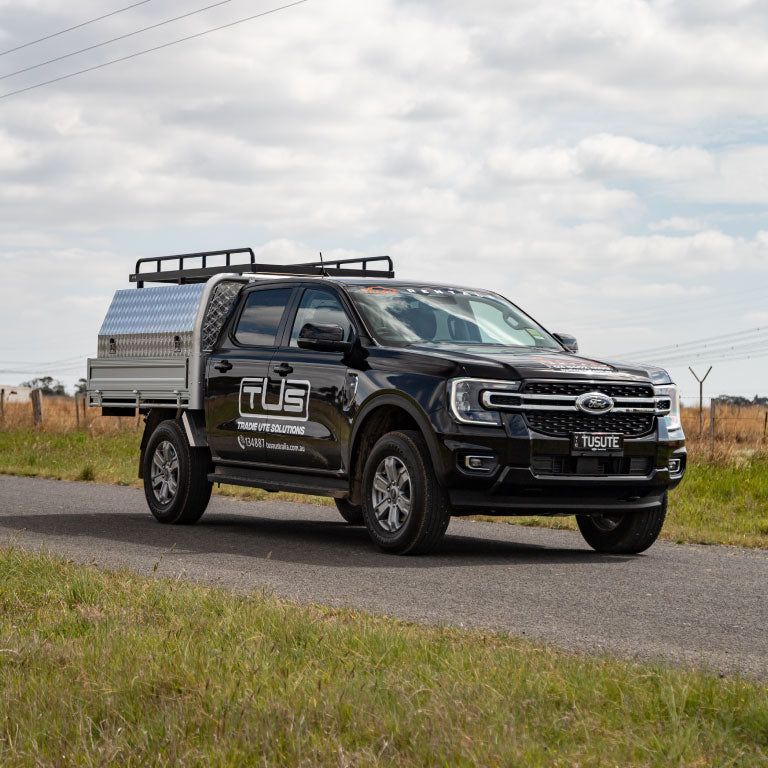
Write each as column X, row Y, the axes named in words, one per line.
column 201, row 272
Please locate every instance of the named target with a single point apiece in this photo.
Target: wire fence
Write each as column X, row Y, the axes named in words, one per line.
column 725, row 430
column 720, row 431
column 57, row 414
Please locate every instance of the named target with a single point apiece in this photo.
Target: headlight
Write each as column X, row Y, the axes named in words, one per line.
column 467, row 401
column 669, row 392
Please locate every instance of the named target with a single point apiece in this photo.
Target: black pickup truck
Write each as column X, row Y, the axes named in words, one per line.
column 406, row 402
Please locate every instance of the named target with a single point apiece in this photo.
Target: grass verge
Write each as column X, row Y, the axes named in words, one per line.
column 717, row 503
column 103, row 668
column 723, row 502
column 111, row 457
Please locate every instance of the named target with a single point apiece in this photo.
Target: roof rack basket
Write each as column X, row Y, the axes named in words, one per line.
column 201, row 271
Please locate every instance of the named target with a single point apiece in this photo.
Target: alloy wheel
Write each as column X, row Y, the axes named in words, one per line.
column 165, row 472
column 607, row 523
column 391, row 494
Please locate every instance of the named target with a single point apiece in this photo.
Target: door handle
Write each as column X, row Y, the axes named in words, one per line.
column 283, row 369
column 223, row 366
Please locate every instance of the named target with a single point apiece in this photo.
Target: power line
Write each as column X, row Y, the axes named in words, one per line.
column 114, row 39
column 756, row 342
column 46, row 368
column 60, row 361
column 737, row 353
column 77, row 26
column 741, row 345
column 64, row 365
column 35, row 373
column 151, row 50
column 702, row 342
column 699, row 353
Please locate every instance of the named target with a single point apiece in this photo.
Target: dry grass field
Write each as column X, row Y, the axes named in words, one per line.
column 739, row 431
column 59, row 416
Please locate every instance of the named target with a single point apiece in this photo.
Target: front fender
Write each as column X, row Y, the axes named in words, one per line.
column 408, row 404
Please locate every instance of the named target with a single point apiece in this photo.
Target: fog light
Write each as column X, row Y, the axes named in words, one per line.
column 675, row 465
column 480, row 463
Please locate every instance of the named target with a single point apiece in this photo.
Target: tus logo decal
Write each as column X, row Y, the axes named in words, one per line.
column 289, row 400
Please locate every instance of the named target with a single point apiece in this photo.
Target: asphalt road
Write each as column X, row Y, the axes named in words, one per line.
column 706, row 605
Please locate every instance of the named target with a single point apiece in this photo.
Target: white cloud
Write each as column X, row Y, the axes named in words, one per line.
column 676, row 224
column 624, row 157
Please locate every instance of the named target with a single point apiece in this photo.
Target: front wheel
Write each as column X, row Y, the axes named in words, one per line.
column 405, row 508
column 624, row 533
column 176, row 483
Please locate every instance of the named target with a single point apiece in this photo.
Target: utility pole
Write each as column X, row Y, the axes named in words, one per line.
column 701, row 396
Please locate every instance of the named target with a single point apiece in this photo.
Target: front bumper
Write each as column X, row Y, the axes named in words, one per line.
column 517, row 491
column 518, row 486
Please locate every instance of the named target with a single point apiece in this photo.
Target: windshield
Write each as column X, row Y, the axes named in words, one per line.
column 403, row 315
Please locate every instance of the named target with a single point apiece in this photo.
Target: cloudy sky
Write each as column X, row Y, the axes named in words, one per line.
column 603, row 163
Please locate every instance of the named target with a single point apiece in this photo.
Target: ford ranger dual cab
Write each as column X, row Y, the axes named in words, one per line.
column 406, row 402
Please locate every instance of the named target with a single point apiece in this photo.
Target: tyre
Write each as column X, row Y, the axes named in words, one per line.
column 176, row 481
column 404, row 507
column 350, row 512
column 624, row 533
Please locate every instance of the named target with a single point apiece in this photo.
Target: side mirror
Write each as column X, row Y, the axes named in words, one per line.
column 327, row 338
column 568, row 341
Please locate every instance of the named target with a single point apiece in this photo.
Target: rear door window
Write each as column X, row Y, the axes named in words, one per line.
column 260, row 319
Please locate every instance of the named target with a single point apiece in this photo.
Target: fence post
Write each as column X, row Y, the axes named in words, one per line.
column 712, row 407
column 2, row 404
column 701, row 395
column 37, row 406
column 77, row 411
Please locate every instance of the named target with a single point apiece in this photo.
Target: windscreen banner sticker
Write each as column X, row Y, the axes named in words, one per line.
column 422, row 290
column 289, row 403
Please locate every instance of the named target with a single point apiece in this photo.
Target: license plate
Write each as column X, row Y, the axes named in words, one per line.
column 597, row 444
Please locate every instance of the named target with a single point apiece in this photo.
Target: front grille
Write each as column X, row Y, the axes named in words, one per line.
column 576, row 388
column 639, row 466
column 563, row 423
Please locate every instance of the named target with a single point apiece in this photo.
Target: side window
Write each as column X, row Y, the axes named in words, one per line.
column 261, row 317
column 323, row 308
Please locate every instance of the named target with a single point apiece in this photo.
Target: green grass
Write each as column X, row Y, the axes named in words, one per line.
column 114, row 669
column 717, row 503
column 106, row 458
column 109, row 458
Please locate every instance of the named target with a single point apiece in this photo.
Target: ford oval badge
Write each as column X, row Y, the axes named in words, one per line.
column 595, row 403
